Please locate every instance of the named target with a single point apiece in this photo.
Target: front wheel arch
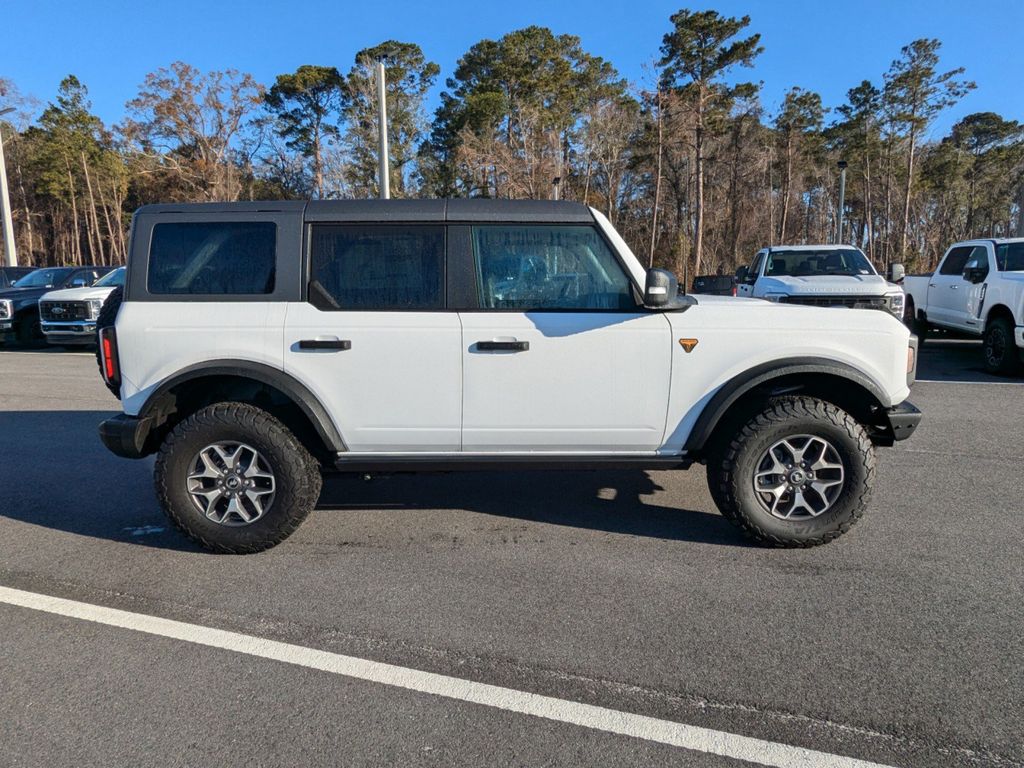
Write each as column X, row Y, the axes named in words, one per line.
column 828, row 380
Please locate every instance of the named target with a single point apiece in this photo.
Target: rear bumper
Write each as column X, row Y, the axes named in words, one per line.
column 1019, row 335
column 126, row 435
column 903, row 419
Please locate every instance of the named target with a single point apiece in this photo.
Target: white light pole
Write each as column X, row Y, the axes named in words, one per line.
column 10, row 251
column 384, row 174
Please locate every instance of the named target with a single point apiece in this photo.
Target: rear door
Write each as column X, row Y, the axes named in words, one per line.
column 557, row 355
column 374, row 340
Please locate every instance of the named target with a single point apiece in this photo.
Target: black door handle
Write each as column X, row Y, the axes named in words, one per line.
column 325, row 344
column 502, row 346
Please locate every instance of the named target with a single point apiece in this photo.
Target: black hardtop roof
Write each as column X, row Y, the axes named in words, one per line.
column 452, row 210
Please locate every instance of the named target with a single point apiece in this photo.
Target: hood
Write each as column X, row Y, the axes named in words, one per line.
column 872, row 285
column 78, row 294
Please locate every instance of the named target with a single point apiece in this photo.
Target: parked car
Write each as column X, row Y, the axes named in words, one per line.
column 977, row 289
column 715, row 285
column 821, row 276
column 68, row 316
column 9, row 274
column 19, row 304
column 260, row 344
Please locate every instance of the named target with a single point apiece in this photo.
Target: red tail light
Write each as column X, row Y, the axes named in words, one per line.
column 108, row 349
column 733, row 291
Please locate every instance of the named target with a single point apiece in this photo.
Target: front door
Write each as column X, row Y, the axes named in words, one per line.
column 558, row 356
column 374, row 340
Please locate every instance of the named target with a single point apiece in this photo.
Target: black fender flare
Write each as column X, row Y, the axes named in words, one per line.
column 755, row 377
column 288, row 385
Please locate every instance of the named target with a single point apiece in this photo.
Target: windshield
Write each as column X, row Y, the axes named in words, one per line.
column 41, row 278
column 1010, row 257
column 807, row 263
column 111, row 279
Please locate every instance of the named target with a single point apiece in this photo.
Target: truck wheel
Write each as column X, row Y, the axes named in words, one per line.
column 235, row 479
column 29, row 331
column 1001, row 356
column 798, row 474
column 106, row 317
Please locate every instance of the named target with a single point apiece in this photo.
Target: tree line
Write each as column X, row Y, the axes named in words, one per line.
column 690, row 166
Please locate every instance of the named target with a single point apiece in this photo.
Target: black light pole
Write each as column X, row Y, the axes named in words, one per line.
column 842, row 197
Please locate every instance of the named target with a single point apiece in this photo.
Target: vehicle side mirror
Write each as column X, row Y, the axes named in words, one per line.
column 80, row 282
column 975, row 274
column 741, row 274
column 896, row 273
column 661, row 288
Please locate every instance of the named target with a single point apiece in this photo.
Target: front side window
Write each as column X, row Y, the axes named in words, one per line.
column 1010, row 257
column 955, row 261
column 377, row 267
column 811, row 263
column 548, row 267
column 212, row 258
column 755, row 267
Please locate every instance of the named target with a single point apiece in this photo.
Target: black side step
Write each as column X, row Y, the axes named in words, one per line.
column 349, row 463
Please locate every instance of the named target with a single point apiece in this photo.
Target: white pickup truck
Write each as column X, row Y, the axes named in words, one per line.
column 819, row 275
column 977, row 289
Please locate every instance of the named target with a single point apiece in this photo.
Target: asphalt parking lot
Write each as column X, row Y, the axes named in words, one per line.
column 900, row 643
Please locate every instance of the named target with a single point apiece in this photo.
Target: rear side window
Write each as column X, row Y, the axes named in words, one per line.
column 956, row 261
column 548, row 267
column 377, row 267
column 212, row 258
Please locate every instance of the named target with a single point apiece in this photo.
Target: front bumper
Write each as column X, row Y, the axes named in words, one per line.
column 903, row 420
column 78, row 332
column 126, row 435
column 1019, row 335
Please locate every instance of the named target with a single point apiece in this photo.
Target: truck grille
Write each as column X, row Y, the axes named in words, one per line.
column 860, row 302
column 57, row 311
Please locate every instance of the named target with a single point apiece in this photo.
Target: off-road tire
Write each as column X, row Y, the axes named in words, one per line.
column 732, row 464
column 106, row 317
column 1006, row 363
column 296, row 472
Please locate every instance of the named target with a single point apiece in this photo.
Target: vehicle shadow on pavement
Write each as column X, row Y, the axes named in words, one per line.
column 55, row 473
column 611, row 501
column 949, row 359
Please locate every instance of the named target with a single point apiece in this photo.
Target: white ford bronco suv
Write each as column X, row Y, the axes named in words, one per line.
column 257, row 345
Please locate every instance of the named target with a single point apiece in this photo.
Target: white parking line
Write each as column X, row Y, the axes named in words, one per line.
column 586, row 715
column 989, row 383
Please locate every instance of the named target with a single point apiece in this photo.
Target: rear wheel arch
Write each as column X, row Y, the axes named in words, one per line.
column 745, row 394
column 999, row 310
column 281, row 395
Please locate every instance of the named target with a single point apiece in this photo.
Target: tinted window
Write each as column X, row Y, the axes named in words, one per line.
column 43, row 278
column 367, row 267
column 1010, row 257
column 548, row 267
column 955, row 261
column 805, row 263
column 212, row 258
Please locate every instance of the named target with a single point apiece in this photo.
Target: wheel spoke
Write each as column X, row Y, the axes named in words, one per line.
column 799, row 477
column 231, row 483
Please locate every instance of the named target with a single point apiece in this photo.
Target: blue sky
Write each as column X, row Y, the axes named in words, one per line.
column 824, row 46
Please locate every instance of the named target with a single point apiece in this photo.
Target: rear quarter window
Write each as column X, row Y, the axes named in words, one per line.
column 226, row 258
